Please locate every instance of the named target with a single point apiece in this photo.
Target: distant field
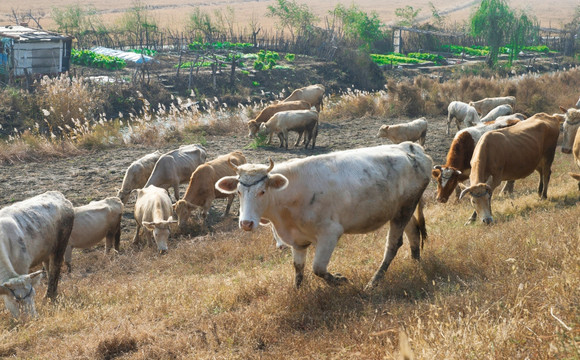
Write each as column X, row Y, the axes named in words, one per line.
column 174, row 13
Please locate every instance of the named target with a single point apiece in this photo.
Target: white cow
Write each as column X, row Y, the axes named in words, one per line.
column 137, row 174
column 292, row 120
column 32, row 232
column 411, row 131
column 484, row 106
column 571, row 126
column 153, row 211
column 462, row 112
column 175, row 167
column 498, row 111
column 312, row 94
column 319, row 198
column 94, row 222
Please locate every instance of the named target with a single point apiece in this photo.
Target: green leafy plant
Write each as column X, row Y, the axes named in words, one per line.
column 92, row 59
column 260, row 140
column 255, row 83
column 289, row 57
column 148, row 52
column 394, row 59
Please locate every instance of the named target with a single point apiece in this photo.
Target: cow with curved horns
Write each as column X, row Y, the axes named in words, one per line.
column 32, row 232
column 531, row 145
column 317, row 199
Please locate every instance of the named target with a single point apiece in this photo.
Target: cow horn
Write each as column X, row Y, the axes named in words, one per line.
column 234, row 166
column 437, row 167
column 465, row 191
column 458, row 172
column 271, row 166
column 36, row 273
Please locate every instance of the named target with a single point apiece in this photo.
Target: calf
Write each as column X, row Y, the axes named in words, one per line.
column 294, row 120
column 411, row 131
column 137, row 174
column 153, row 211
column 270, row 110
column 175, row 167
column 484, row 106
column 32, row 232
column 509, row 154
column 461, row 112
column 201, row 190
column 94, row 222
column 317, row 199
column 312, row 94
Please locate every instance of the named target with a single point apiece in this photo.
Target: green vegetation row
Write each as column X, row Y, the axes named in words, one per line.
column 394, row 59
column 148, row 52
column 92, row 59
column 484, row 50
column 219, row 45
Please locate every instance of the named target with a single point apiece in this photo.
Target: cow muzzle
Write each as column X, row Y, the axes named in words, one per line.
column 487, row 220
column 247, row 225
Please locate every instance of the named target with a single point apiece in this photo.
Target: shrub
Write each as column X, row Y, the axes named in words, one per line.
column 289, row 57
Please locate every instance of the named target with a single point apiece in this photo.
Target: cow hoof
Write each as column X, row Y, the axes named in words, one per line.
column 336, row 280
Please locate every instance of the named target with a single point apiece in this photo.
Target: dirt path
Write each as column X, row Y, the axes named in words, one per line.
column 99, row 174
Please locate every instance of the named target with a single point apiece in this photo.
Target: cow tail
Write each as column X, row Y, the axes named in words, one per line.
column 421, row 221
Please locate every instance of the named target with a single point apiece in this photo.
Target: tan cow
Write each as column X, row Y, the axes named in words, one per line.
column 175, row 167
column 137, row 174
column 411, row 131
column 153, row 211
column 509, row 154
column 201, row 191
column 484, row 106
column 496, row 112
column 312, row 94
column 571, row 139
column 94, row 222
column 576, row 152
column 457, row 166
column 270, row 110
column 294, row 120
column 32, row 232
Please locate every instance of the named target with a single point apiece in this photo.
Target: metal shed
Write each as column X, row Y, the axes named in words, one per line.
column 34, row 51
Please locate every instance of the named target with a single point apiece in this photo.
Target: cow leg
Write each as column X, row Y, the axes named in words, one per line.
column 508, row 188
column 67, row 258
column 137, row 237
column 299, row 256
column 270, row 138
column 118, row 236
column 448, row 123
column 175, row 187
column 472, row 218
column 285, row 136
column 229, row 205
column 394, row 240
column 326, row 243
column 57, row 257
column 281, row 138
column 299, row 137
column 546, row 172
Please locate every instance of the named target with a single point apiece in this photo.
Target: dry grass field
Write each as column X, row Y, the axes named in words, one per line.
column 174, row 14
column 505, row 291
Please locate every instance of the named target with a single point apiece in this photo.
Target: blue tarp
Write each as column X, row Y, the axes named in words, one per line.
column 125, row 55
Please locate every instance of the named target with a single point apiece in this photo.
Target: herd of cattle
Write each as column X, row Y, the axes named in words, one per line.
column 304, row 201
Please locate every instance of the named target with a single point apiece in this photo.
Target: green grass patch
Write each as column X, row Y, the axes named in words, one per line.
column 394, row 59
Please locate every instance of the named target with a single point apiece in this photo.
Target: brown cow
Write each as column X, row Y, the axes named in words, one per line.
column 509, row 154
column 270, row 110
column 457, row 167
column 201, row 190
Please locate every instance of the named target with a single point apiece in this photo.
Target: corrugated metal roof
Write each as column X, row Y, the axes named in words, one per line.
column 125, row 55
column 23, row 33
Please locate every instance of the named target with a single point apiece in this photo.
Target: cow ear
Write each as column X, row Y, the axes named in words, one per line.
column 227, row 184
column 149, row 225
column 277, row 182
column 264, row 222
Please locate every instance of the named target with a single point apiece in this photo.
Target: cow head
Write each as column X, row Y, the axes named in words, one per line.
column 183, row 209
column 571, row 125
column 253, row 126
column 481, row 200
column 19, row 294
column 254, row 185
column 160, row 230
column 123, row 195
column 447, row 179
column 383, row 131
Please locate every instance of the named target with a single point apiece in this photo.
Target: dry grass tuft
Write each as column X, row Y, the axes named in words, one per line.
column 115, row 346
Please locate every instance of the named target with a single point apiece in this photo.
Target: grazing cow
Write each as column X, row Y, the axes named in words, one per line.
column 411, row 131
column 497, row 112
column 201, row 190
column 312, row 94
column 153, row 212
column 571, row 140
column 175, row 167
column 457, row 166
column 293, row 120
column 484, row 106
column 137, row 174
column 94, row 222
column 509, row 154
column 32, row 232
column 461, row 112
column 270, row 110
column 319, row 198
